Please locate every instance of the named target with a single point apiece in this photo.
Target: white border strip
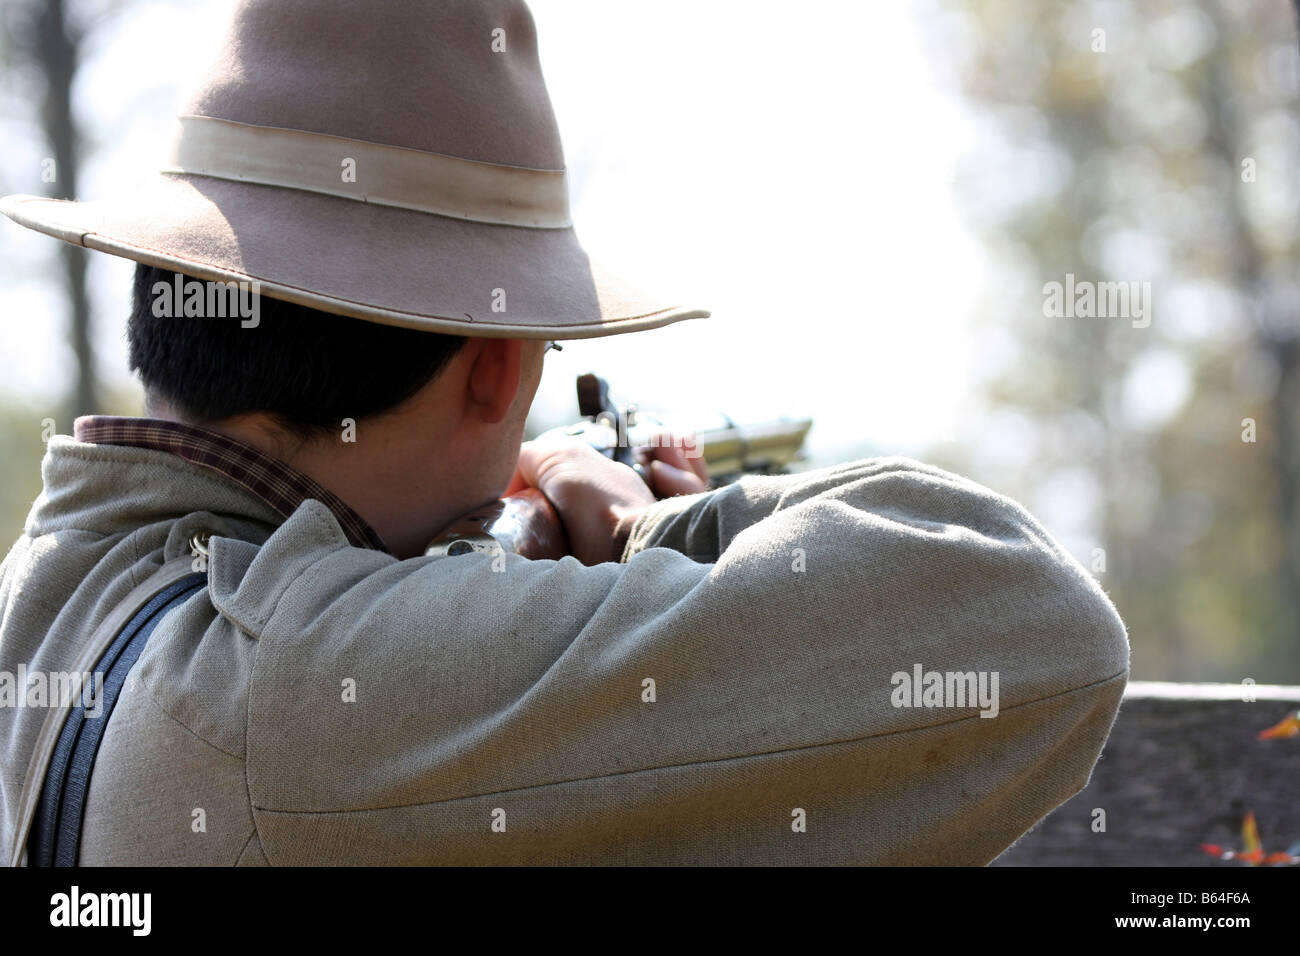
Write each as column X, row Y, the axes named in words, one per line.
column 1165, row 690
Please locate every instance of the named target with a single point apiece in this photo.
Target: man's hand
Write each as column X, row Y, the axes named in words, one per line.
column 599, row 499
column 675, row 465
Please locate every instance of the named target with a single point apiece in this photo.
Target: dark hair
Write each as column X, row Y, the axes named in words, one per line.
column 306, row 368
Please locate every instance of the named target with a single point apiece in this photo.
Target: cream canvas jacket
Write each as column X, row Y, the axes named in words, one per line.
column 732, row 692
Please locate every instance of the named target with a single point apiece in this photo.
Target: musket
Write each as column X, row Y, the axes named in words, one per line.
column 527, row 524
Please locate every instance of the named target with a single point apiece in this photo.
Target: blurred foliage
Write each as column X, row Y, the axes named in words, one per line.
column 1148, row 141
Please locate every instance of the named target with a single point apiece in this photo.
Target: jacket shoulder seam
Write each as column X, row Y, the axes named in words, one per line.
column 188, row 729
column 249, row 842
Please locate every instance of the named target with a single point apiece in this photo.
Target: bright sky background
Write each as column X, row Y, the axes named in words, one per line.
column 791, row 171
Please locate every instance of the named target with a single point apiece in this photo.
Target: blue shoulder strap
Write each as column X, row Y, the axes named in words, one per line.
column 55, row 836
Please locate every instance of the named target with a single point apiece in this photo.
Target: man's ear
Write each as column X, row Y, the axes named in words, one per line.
column 494, row 378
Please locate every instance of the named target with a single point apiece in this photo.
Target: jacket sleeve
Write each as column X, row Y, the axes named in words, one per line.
column 743, row 688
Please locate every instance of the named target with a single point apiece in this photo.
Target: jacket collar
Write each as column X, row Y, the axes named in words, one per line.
column 268, row 479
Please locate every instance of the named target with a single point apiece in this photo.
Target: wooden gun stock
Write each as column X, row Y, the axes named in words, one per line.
column 525, row 524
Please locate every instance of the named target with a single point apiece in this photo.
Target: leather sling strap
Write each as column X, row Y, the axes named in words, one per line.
column 52, row 802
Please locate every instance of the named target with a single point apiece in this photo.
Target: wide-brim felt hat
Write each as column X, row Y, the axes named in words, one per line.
column 396, row 161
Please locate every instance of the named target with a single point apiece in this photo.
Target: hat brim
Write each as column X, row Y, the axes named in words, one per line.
column 377, row 263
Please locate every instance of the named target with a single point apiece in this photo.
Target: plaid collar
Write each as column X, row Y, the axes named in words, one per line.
column 279, row 486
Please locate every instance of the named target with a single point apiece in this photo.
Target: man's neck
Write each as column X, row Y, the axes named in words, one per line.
column 382, row 480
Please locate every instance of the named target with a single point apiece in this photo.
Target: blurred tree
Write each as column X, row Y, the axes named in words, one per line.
column 1277, row 332
column 1149, row 141
column 48, row 37
column 42, row 35
column 44, row 40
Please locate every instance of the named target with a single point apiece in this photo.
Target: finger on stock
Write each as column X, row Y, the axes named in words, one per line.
column 669, row 480
column 681, row 451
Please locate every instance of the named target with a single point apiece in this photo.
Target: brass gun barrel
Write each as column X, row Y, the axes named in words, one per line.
column 753, row 447
column 730, row 449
